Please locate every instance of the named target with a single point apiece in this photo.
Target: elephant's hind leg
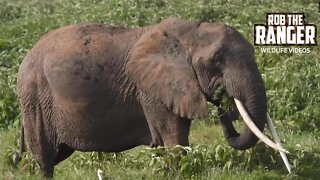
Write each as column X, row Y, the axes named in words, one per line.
column 39, row 135
column 37, row 108
column 41, row 147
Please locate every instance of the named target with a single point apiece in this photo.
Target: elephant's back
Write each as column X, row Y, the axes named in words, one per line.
column 88, row 41
column 77, row 63
column 81, row 60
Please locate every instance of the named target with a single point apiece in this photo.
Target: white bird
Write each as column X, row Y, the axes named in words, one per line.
column 99, row 174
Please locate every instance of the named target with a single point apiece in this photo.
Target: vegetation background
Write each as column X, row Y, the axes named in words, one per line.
column 292, row 82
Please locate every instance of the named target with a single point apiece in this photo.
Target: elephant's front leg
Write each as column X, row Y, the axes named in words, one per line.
column 167, row 129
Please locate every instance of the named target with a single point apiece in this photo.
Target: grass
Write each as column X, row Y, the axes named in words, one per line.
column 292, row 80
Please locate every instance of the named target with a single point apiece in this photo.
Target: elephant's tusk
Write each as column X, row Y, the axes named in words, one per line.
column 277, row 140
column 255, row 129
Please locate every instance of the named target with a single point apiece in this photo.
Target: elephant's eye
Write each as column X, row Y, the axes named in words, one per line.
column 217, row 59
column 217, row 62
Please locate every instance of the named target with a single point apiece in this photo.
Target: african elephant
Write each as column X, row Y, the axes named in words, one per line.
column 93, row 87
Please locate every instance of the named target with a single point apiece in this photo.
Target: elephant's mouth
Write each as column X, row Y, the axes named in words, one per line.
column 216, row 91
column 222, row 100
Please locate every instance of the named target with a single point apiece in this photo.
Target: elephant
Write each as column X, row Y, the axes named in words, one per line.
column 95, row 87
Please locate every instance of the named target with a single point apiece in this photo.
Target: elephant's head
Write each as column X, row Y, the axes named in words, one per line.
column 182, row 62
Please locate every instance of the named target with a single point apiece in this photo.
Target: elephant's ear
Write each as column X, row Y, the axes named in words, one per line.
column 159, row 65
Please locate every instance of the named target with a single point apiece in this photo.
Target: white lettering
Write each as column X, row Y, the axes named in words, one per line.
column 291, row 39
column 289, row 19
column 281, row 35
column 260, row 34
column 285, row 29
column 279, row 20
column 300, row 20
column 300, row 35
column 295, row 20
column 282, row 20
column 276, row 20
column 310, row 34
column 285, row 50
column 270, row 19
column 263, row 50
column 271, row 39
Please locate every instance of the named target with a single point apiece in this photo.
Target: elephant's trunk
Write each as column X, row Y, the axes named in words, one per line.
column 248, row 87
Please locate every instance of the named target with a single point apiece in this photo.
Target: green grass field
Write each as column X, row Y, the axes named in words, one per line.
column 292, row 82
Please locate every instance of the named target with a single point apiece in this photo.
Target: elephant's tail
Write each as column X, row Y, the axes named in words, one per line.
column 22, row 142
column 22, row 147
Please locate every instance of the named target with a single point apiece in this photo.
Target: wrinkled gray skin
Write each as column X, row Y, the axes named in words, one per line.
column 92, row 87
